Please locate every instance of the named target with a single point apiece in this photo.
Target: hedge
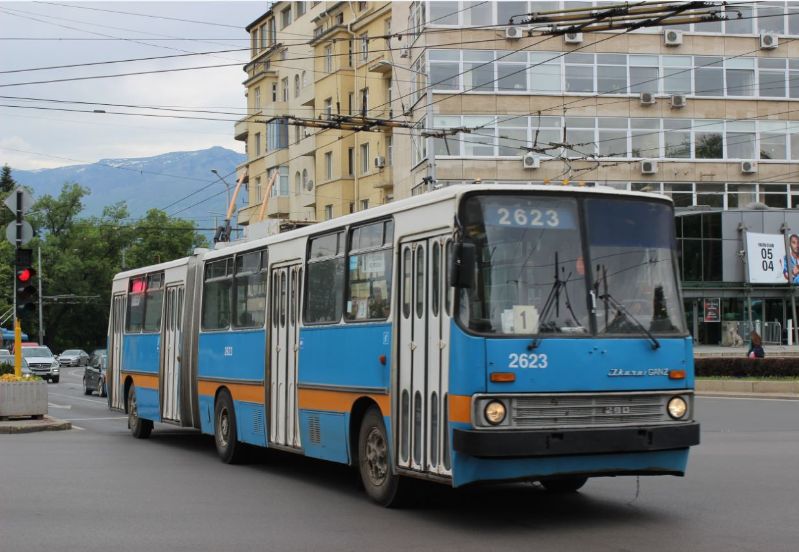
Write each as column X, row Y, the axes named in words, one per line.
column 742, row 367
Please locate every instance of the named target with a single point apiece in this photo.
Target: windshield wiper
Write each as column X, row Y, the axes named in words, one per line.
column 553, row 299
column 607, row 298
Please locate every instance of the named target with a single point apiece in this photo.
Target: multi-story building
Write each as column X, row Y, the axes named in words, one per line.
column 707, row 113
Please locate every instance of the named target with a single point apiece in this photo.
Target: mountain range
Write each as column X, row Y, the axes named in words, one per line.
column 147, row 182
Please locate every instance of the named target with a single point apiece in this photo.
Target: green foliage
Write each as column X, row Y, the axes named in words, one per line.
column 743, row 367
column 80, row 257
column 6, row 368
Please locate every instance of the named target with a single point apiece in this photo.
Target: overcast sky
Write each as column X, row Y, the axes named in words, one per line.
column 34, row 139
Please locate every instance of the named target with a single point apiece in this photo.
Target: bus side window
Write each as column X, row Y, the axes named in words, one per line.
column 154, row 300
column 325, row 289
column 135, row 314
column 369, row 270
column 216, row 294
column 250, row 291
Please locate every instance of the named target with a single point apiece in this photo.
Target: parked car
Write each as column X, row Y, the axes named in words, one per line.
column 94, row 374
column 73, row 357
column 41, row 362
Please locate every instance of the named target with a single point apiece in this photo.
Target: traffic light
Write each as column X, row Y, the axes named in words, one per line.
column 24, row 282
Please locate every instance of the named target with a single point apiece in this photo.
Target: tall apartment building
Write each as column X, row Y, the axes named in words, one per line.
column 707, row 114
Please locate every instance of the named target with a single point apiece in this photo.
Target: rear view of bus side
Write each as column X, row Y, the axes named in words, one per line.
column 476, row 333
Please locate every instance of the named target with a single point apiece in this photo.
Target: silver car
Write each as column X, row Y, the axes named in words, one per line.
column 42, row 363
column 73, row 357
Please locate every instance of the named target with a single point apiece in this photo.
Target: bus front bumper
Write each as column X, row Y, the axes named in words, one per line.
column 542, row 443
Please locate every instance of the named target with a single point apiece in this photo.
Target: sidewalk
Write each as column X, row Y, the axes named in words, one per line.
column 748, row 388
column 30, row 425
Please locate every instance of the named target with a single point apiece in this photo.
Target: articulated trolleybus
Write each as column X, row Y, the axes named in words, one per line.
column 474, row 333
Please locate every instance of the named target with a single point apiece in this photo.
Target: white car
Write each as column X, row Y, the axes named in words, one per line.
column 42, row 363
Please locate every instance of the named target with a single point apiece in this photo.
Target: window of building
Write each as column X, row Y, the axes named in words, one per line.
column 645, row 138
column 258, row 192
column 257, row 144
column 325, row 277
column 442, row 13
column 389, row 150
column 611, row 73
column 362, row 6
column 364, row 158
column 364, row 101
column 257, row 98
column 740, row 140
column 327, row 112
column 709, row 76
column 580, row 136
column 285, row 17
column 445, row 68
column 364, row 204
column 305, row 80
column 512, row 136
column 349, row 53
column 369, row 271
column 740, row 73
column 612, row 137
column 216, row 294
column 340, row 18
column 274, row 91
column 772, row 140
column 350, row 161
column 284, row 85
column 351, row 103
column 305, row 182
column 774, row 195
column 264, row 37
column 328, row 212
column 740, row 19
column 300, row 9
column 281, row 185
column 643, row 74
column 364, row 39
column 329, row 165
column 579, row 72
column 478, row 70
column 677, row 138
column 510, row 11
column 709, row 140
column 277, row 135
column 297, row 87
column 271, row 24
column 297, row 131
column 329, row 58
column 545, row 72
column 771, row 76
column 297, row 182
column 476, row 13
column 512, row 72
column 681, row 194
column 250, row 283
column 677, row 74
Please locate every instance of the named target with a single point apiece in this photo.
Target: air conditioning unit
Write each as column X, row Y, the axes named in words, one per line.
column 678, row 101
column 769, row 41
column 531, row 161
column 405, row 53
column 647, row 98
column 748, row 167
column 513, row 33
column 649, row 167
column 672, row 37
column 573, row 38
column 380, row 162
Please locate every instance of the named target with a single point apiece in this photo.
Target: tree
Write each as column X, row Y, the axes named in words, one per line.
column 7, row 182
column 158, row 239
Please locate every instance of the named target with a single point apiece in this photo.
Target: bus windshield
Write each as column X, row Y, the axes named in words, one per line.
column 631, row 244
column 530, row 271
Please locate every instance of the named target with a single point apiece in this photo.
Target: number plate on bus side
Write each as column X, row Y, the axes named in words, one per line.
column 528, row 360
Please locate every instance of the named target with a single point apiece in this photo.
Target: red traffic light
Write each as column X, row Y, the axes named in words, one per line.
column 25, row 275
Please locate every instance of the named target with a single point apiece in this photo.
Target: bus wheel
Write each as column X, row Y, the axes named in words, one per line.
column 564, row 484
column 138, row 428
column 227, row 446
column 374, row 464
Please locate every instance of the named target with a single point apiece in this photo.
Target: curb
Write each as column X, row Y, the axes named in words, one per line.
column 747, row 386
column 722, row 395
column 32, row 426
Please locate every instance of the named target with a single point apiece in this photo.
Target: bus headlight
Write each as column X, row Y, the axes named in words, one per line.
column 494, row 412
column 677, row 407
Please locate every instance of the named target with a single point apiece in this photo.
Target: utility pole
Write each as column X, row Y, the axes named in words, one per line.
column 41, row 302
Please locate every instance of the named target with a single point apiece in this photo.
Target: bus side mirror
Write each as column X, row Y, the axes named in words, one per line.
column 462, row 265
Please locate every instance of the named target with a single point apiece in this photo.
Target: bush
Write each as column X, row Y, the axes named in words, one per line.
column 6, row 368
column 742, row 367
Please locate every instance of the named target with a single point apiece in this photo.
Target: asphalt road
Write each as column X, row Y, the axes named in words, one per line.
column 97, row 488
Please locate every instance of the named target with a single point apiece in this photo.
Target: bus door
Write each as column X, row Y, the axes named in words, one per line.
column 116, row 397
column 286, row 283
column 170, row 361
column 423, row 350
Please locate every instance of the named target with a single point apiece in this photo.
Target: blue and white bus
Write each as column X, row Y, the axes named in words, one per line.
column 474, row 333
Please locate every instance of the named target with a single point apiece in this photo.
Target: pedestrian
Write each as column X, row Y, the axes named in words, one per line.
column 756, row 348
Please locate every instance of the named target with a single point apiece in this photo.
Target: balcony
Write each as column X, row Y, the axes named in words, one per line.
column 240, row 129
column 278, row 207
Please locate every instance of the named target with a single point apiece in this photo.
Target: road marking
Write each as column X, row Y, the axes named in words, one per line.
column 79, row 428
column 89, row 419
column 95, row 401
column 54, row 405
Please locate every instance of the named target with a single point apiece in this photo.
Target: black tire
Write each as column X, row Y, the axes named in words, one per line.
column 100, row 388
column 380, row 482
column 86, row 390
column 564, row 484
column 139, row 428
column 230, row 450
column 56, row 379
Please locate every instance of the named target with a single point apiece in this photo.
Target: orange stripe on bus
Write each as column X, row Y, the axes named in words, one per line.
column 338, row 401
column 460, row 408
column 144, row 381
column 253, row 393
